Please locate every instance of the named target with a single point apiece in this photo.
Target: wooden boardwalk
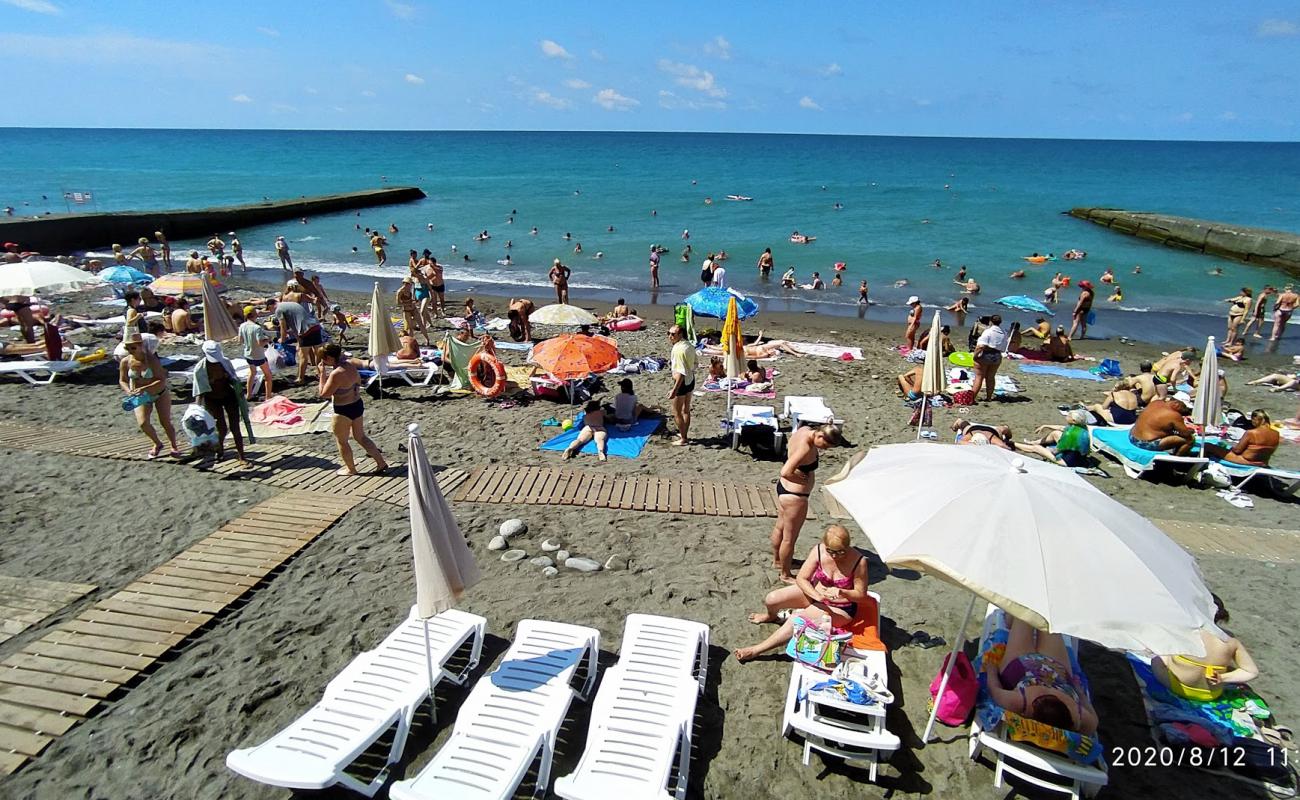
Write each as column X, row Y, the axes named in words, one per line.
column 26, row 601
column 279, row 465
column 54, row 682
column 1257, row 544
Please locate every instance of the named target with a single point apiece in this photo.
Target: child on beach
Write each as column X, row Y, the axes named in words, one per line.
column 341, row 322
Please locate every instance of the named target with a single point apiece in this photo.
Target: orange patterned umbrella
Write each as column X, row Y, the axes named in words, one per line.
column 574, row 356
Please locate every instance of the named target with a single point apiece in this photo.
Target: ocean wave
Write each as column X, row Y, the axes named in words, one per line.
column 489, row 275
column 307, row 239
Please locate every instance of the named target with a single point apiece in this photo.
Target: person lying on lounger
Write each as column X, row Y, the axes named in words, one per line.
column 1035, row 680
column 593, row 427
column 829, row 586
column 1202, row 678
column 1067, row 445
column 1278, row 381
column 1161, row 427
column 976, row 433
column 1256, row 446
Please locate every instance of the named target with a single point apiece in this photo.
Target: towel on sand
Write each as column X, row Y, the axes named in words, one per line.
column 827, row 350
column 623, row 443
column 1062, row 372
column 280, row 416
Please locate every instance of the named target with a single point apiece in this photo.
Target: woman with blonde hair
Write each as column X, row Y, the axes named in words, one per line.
column 144, row 379
column 829, row 586
column 794, row 486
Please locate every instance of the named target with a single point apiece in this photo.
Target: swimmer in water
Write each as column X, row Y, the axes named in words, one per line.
column 577, row 248
column 611, row 229
column 1108, row 276
column 899, row 284
column 1137, row 270
column 937, row 264
column 1217, row 271
column 429, row 226
column 686, row 233
column 510, row 243
column 1117, row 296
column 599, row 254
column 453, row 248
column 1020, row 273
column 568, row 237
column 534, row 231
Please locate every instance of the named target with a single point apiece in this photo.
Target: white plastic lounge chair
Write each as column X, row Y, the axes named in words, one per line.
column 1114, row 442
column 831, row 725
column 640, row 737
column 379, row 689
column 744, row 416
column 29, row 370
column 1050, row 771
column 511, row 718
column 808, row 411
column 413, row 375
column 1283, row 481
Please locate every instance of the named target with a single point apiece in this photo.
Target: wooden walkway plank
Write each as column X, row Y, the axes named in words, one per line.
column 49, row 700
column 36, row 720
column 67, row 684
column 21, row 741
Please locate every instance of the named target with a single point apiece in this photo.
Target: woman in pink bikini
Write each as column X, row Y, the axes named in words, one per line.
column 830, row 584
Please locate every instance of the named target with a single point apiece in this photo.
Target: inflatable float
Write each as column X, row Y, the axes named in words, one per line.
column 799, row 238
column 740, row 197
column 1036, row 259
column 487, row 375
column 627, row 324
column 962, row 359
column 1075, row 255
column 840, row 266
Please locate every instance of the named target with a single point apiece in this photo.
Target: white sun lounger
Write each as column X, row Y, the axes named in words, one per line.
column 29, row 370
column 379, row 689
column 808, row 411
column 762, row 416
column 639, row 741
column 1284, row 481
column 1034, row 765
column 1114, row 442
column 828, row 724
column 422, row 375
column 511, row 718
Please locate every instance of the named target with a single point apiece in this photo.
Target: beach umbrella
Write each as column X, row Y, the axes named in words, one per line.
column 179, row 283
column 733, row 348
column 562, row 314
column 1033, row 538
column 30, row 277
column 934, row 378
column 712, row 301
column 444, row 566
column 217, row 323
column 1206, row 407
column 574, row 356
column 1021, row 302
column 383, row 339
column 123, row 274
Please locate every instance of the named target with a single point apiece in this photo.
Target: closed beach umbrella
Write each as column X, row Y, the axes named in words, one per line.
column 1034, row 539
column 573, row 356
column 383, row 339
column 712, row 301
column 179, row 283
column 1022, row 303
column 30, row 277
column 122, row 274
column 562, row 314
column 934, row 379
column 733, row 348
column 1206, row 408
column 217, row 323
column 444, row 566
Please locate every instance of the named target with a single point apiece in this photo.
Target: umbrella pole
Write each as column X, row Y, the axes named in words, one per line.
column 957, row 643
column 925, row 403
column 428, row 658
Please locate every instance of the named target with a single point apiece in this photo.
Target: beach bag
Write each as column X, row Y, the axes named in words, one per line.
column 965, row 397
column 1109, row 368
column 288, row 354
column 273, row 358
column 199, row 426
column 959, row 696
column 924, row 414
column 815, row 645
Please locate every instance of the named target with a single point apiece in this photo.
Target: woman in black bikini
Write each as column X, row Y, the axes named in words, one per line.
column 340, row 381
column 793, row 487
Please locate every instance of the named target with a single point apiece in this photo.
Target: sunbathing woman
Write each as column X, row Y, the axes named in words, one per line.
column 1278, row 381
column 144, row 379
column 593, row 427
column 980, row 434
column 1202, row 679
column 340, row 382
column 830, row 584
column 1067, row 445
column 793, row 488
column 1120, row 405
column 1036, row 681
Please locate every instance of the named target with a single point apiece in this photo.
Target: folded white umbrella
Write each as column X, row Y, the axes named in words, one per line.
column 383, row 339
column 30, row 277
column 934, row 379
column 217, row 322
column 1032, row 538
column 1206, row 408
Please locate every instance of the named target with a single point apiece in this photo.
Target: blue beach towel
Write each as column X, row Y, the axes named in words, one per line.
column 1062, row 372
column 623, row 443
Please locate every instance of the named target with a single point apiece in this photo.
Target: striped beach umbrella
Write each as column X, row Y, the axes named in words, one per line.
column 179, row 283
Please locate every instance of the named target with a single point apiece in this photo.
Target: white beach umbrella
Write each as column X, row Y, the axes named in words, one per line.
column 934, row 379
column 1206, row 408
column 444, row 566
column 1032, row 538
column 30, row 277
column 383, row 339
column 562, row 314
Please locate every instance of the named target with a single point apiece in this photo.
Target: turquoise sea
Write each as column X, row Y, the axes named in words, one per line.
column 905, row 202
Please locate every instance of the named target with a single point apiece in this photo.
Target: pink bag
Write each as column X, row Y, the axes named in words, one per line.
column 959, row 695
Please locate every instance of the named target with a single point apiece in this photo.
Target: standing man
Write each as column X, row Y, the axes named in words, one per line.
column 1082, row 309
column 913, row 320
column 682, row 362
column 1258, row 313
column 282, row 250
column 437, row 286
column 166, row 249
column 297, row 322
column 654, row 267
column 254, row 338
column 194, row 264
column 1286, row 303
column 560, row 280
column 238, row 250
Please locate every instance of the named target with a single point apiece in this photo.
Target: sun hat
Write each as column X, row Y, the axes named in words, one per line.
column 556, row 262
column 1086, row 284
column 248, row 310
column 132, row 337
column 913, row 299
column 1077, row 416
column 212, row 352
column 1183, row 397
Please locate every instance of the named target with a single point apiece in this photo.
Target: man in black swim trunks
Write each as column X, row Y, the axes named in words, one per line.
column 682, row 363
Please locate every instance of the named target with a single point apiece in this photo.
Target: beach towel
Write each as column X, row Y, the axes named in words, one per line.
column 1227, row 715
column 458, row 354
column 827, row 350
column 762, row 391
column 280, row 416
column 622, row 443
column 1076, row 746
column 1116, row 440
column 1062, row 372
column 522, row 347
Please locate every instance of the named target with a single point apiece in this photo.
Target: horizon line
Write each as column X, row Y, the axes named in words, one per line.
column 664, row 132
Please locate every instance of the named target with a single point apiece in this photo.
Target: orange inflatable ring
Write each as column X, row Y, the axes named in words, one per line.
column 484, row 364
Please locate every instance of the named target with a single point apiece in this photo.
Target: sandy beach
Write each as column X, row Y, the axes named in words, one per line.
column 267, row 659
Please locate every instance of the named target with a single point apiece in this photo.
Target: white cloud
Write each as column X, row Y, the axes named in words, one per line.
column 674, row 101
column 545, row 98
column 552, row 49
column 1228, row 116
column 312, row 90
column 719, row 47
column 110, row 48
column 35, row 6
column 265, row 31
column 832, row 70
column 577, row 83
column 809, row 103
column 413, row 79
column 596, row 55
column 368, row 93
column 400, row 10
column 692, row 77
column 611, row 100
column 241, row 98
column 1278, row 27
column 1186, row 116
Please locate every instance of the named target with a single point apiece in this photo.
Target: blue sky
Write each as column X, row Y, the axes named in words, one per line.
column 1153, row 70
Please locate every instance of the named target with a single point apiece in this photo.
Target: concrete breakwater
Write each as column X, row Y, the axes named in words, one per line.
column 1237, row 242
column 64, row 232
